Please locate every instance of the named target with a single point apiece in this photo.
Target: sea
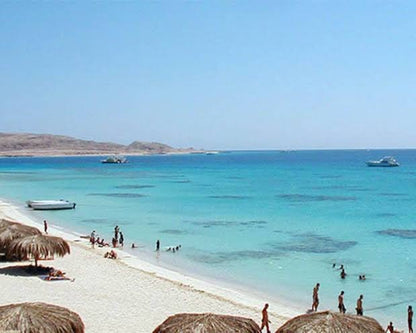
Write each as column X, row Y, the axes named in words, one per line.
column 270, row 223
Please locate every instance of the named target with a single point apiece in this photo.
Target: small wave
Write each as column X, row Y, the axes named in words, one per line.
column 118, row 195
column 134, row 186
column 312, row 198
column 236, row 197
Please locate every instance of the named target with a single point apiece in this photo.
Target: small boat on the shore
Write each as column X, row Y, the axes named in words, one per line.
column 114, row 160
column 50, row 204
column 386, row 161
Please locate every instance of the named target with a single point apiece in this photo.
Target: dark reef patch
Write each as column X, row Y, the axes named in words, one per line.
column 118, row 195
column 386, row 215
column 314, row 198
column 313, row 243
column 174, row 232
column 402, row 233
column 392, row 194
column 225, row 223
column 134, row 186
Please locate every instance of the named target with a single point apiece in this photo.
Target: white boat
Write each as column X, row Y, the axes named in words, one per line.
column 386, row 161
column 114, row 160
column 50, row 204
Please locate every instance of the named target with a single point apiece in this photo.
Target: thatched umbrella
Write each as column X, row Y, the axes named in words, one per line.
column 6, row 223
column 331, row 322
column 206, row 323
column 39, row 246
column 39, row 318
column 14, row 231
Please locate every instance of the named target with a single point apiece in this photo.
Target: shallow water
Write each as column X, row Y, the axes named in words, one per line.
column 272, row 222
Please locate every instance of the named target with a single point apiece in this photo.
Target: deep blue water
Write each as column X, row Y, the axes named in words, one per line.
column 272, row 222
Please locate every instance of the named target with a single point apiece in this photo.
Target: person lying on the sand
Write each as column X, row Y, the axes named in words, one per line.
column 111, row 255
column 55, row 275
column 101, row 242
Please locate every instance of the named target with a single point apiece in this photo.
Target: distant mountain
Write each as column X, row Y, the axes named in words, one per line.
column 24, row 144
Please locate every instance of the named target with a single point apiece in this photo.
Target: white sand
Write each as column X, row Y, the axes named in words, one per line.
column 124, row 295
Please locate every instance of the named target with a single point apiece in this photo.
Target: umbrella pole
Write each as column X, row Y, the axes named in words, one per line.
column 36, row 255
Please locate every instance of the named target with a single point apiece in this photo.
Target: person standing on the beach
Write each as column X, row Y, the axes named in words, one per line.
column 359, row 307
column 341, row 305
column 410, row 318
column 116, row 230
column 92, row 238
column 265, row 318
column 121, row 240
column 45, row 226
column 157, row 245
column 315, row 298
column 390, row 328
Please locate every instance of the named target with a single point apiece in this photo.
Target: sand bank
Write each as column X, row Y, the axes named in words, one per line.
column 124, row 295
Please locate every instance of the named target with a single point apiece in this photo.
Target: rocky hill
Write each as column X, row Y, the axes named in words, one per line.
column 24, row 144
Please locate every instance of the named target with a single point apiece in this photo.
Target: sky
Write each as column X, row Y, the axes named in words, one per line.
column 280, row 74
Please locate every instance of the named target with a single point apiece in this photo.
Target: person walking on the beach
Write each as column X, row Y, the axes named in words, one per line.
column 315, row 298
column 359, row 307
column 45, row 226
column 121, row 240
column 341, row 305
column 157, row 245
column 265, row 319
column 410, row 318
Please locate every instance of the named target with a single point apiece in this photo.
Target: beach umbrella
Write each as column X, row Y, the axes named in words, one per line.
column 14, row 231
column 206, row 323
column 330, row 322
column 6, row 223
column 38, row 246
column 39, row 318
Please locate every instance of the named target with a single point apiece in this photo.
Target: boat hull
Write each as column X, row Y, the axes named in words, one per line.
column 381, row 165
column 51, row 205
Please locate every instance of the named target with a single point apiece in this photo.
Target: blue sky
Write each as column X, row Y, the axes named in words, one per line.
column 212, row 74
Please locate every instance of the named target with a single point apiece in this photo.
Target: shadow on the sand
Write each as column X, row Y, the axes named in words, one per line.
column 25, row 270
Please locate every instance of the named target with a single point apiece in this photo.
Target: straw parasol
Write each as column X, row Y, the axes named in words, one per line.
column 6, row 223
column 39, row 318
column 39, row 246
column 15, row 230
column 331, row 322
column 206, row 323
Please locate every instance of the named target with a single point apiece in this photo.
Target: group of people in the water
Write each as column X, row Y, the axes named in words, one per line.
column 343, row 273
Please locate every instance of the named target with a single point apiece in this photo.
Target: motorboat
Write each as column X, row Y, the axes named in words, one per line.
column 114, row 160
column 50, row 204
column 386, row 161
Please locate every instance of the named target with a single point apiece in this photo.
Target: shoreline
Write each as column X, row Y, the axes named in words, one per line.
column 39, row 154
column 198, row 293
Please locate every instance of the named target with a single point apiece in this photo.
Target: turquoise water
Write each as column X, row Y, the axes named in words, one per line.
column 270, row 222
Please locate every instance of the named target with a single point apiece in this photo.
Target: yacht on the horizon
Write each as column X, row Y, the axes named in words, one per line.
column 386, row 161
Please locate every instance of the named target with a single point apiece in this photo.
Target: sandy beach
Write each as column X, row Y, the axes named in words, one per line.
column 123, row 295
